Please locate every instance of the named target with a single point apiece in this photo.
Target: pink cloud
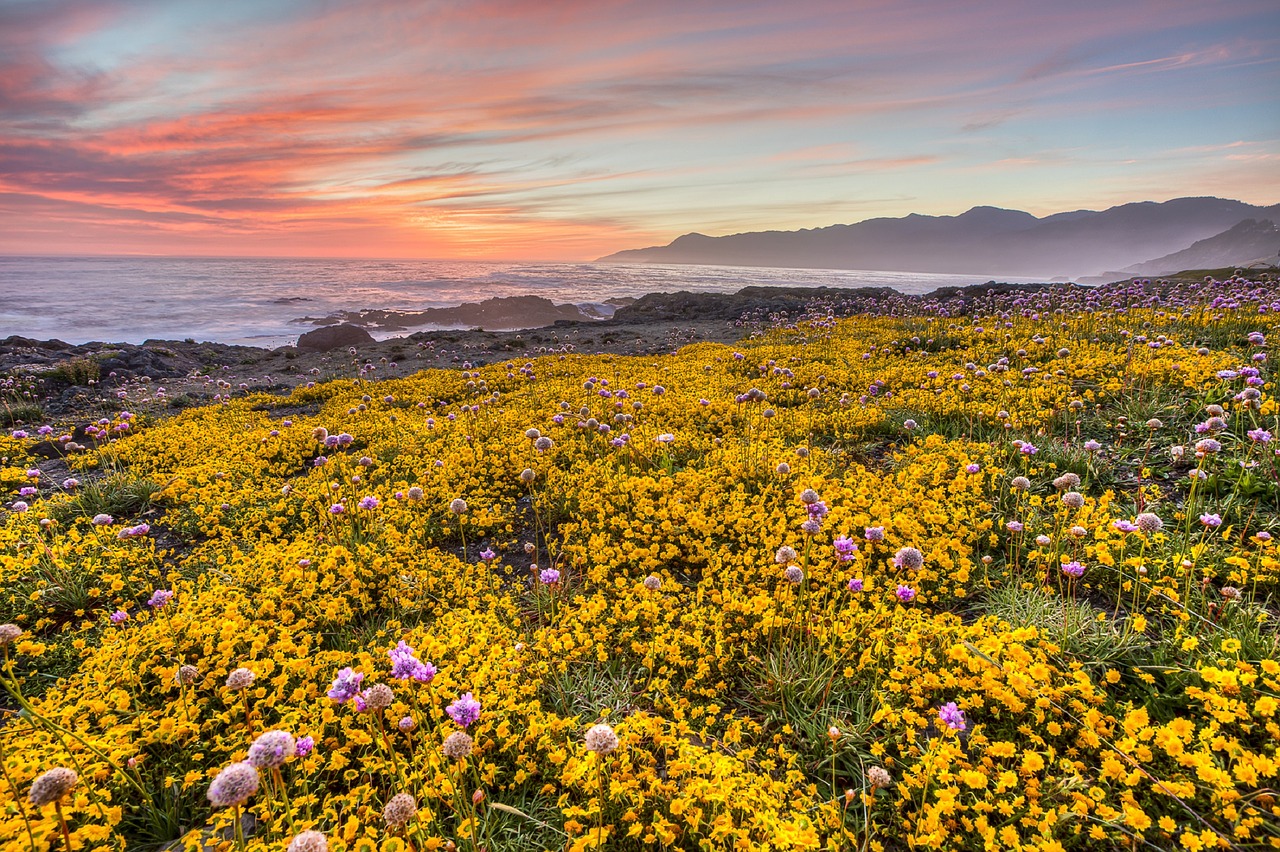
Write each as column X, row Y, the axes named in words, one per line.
column 429, row 123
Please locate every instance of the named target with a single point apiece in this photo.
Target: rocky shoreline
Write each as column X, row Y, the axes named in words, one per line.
column 51, row 380
column 509, row 313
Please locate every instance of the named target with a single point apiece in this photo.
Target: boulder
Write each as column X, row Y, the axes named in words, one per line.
column 334, row 337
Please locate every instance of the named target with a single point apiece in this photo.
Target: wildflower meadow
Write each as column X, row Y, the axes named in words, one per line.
column 992, row 572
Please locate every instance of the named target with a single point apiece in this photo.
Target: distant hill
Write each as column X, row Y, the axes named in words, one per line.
column 1248, row 242
column 986, row 241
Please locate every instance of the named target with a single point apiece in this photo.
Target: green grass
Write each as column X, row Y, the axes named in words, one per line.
column 121, row 495
column 14, row 413
column 586, row 688
column 1083, row 632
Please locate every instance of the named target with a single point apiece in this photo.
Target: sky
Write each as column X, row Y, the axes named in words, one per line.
column 565, row 130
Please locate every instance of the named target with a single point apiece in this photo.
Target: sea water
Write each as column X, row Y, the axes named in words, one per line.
column 259, row 301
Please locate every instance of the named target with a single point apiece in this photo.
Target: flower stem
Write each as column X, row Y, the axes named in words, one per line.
column 62, row 820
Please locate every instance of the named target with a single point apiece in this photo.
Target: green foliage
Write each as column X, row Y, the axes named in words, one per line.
column 121, row 495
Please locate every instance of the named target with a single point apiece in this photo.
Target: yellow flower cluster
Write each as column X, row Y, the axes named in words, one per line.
column 875, row 583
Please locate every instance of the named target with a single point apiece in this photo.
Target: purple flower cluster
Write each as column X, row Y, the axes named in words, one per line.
column 874, row 534
column 346, row 685
column 846, row 549
column 405, row 664
column 549, row 576
column 465, row 711
column 817, row 511
column 159, row 598
column 1073, row 569
column 952, row 716
column 906, row 594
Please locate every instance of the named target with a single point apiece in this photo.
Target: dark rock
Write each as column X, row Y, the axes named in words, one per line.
column 504, row 313
column 334, row 337
column 47, row 450
column 14, row 340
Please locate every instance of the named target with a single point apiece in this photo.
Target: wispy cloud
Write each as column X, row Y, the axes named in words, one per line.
column 554, row 129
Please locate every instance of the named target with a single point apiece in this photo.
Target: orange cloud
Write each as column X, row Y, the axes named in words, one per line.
column 522, row 129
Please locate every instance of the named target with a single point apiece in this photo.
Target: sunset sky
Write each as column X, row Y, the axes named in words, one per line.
column 567, row 130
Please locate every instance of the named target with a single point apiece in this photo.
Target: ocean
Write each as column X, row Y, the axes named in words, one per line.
column 256, row 301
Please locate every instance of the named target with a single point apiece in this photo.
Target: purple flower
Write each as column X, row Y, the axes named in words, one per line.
column 1028, row 449
column 906, row 594
column 304, row 745
column 1092, row 445
column 1073, row 569
column 952, row 716
column 846, row 549
column 1211, row 521
column 487, row 555
column 159, row 598
column 1014, row 526
column 28, row 491
column 465, row 710
column 1259, row 436
column 320, row 461
column 972, row 468
column 548, row 576
column 910, row 558
column 405, row 664
column 368, row 503
column 1125, row 526
column 855, row 584
column 337, row 509
column 119, row 617
column 103, row 520
column 874, row 534
column 346, row 685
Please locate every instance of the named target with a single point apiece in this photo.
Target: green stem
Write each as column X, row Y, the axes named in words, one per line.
column 62, row 821
column 284, row 795
column 600, row 812
column 17, row 798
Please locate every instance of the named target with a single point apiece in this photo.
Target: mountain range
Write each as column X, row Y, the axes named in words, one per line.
column 991, row 241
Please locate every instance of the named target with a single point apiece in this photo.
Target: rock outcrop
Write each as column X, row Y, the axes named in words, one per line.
column 334, row 337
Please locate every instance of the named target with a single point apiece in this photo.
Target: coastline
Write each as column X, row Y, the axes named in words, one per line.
column 53, row 380
column 77, row 380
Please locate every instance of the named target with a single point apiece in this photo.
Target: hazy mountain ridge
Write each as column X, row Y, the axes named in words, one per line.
column 1247, row 242
column 980, row 241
